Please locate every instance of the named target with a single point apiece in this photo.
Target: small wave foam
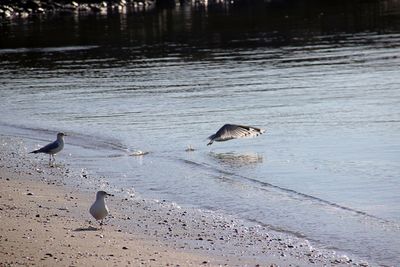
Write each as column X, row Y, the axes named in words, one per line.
column 80, row 140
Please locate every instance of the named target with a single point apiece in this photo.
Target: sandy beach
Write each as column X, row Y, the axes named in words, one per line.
column 45, row 222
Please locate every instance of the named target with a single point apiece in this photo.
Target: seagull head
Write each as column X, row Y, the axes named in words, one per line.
column 61, row 135
column 102, row 194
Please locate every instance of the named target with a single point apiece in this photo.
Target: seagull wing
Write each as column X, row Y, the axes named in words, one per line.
column 48, row 148
column 232, row 131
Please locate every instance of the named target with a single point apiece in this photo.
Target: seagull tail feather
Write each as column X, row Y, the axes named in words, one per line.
column 211, row 138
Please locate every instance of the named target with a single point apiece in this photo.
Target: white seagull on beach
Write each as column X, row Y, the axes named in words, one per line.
column 233, row 131
column 99, row 209
column 53, row 148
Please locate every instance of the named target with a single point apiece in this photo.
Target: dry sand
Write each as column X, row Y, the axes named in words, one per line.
column 45, row 222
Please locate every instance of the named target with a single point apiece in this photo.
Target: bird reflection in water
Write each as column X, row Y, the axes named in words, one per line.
column 237, row 160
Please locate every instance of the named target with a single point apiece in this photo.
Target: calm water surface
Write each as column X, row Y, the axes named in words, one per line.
column 327, row 93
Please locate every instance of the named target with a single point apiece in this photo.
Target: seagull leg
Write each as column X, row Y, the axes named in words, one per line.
column 49, row 159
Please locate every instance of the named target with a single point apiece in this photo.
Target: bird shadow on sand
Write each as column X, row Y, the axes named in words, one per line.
column 86, row 229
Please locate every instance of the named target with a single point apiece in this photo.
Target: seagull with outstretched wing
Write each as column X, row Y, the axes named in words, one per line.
column 233, row 131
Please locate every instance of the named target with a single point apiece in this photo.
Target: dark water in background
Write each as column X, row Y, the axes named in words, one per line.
column 322, row 79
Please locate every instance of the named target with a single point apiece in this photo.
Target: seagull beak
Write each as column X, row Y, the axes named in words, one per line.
column 111, row 195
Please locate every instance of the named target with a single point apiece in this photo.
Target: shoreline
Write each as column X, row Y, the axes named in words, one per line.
column 57, row 227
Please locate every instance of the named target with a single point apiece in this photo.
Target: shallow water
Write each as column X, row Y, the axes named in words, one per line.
column 327, row 167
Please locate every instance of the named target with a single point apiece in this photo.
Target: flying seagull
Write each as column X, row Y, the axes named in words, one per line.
column 233, row 131
column 53, row 148
column 99, row 209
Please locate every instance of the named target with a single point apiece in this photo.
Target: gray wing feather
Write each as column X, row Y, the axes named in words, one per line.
column 231, row 131
column 49, row 147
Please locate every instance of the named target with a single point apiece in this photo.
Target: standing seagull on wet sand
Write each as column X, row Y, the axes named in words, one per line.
column 99, row 209
column 53, row 148
column 233, row 131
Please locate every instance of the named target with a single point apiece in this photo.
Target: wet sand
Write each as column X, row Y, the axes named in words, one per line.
column 45, row 222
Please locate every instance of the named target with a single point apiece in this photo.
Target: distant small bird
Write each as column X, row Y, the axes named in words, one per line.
column 232, row 131
column 53, row 148
column 99, row 209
